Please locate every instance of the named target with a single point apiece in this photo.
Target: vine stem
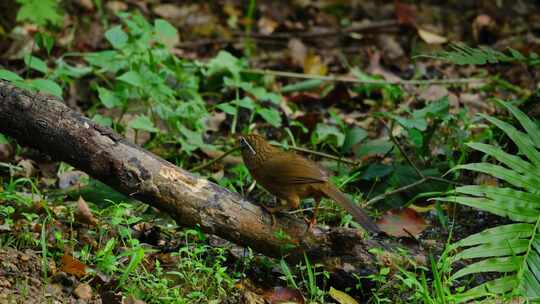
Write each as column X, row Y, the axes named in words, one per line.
column 350, row 79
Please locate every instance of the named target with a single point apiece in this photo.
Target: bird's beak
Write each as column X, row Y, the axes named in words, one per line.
column 245, row 143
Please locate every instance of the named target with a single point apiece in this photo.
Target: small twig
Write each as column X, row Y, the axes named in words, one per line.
column 401, row 150
column 210, row 162
column 321, row 154
column 380, row 197
column 329, row 32
column 350, row 79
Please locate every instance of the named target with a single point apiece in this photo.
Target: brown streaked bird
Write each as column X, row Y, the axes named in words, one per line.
column 291, row 177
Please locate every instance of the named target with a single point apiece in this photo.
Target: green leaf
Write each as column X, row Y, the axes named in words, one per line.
column 132, row 77
column 497, row 234
column 224, row 62
column 40, row 12
column 143, row 122
column 497, row 286
column 271, row 116
column 168, row 34
column 529, row 182
column 36, row 63
column 353, row 136
column 3, row 139
column 522, row 140
column 376, row 146
column 514, row 162
column 9, row 76
column 533, row 130
column 517, row 211
column 507, row 264
column 227, row 108
column 44, row 40
column 245, row 102
column 116, row 37
column 47, row 86
column 505, row 248
column 102, row 120
column 108, row 98
column 326, row 132
column 306, row 85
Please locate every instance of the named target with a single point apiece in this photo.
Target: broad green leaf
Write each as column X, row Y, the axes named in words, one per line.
column 497, row 286
column 529, row 182
column 9, row 76
column 353, row 136
column 108, row 98
column 326, row 132
column 524, row 142
column 36, row 64
column 376, row 146
column 514, row 162
column 227, row 108
column 517, row 212
column 497, row 234
column 501, row 194
column 532, row 128
column 168, row 34
column 143, row 122
column 224, row 61
column 3, row 139
column 116, row 37
column 245, row 102
column 47, row 86
column 40, row 12
column 501, row 249
column 507, row 264
column 132, row 77
column 271, row 116
column 102, row 120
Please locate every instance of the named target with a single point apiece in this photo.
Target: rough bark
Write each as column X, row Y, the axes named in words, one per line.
column 45, row 123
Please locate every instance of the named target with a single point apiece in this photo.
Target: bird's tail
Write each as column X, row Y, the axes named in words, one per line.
column 359, row 215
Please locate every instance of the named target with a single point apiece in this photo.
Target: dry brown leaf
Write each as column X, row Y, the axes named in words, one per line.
column 430, row 37
column 83, row 214
column 402, row 223
column 313, row 65
column 72, row 266
column 283, row 295
column 297, row 51
column 266, row 25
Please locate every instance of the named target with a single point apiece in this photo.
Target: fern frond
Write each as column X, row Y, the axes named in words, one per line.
column 511, row 250
column 463, row 54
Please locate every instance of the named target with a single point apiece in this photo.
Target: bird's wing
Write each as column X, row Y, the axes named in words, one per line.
column 289, row 168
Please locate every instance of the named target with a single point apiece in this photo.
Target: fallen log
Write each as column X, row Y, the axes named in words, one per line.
column 45, row 123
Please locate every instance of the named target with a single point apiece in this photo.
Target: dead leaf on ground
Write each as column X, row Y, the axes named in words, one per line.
column 213, row 122
column 266, row 25
column 430, row 37
column 83, row 291
column 72, row 266
column 297, row 51
column 283, row 295
column 73, row 178
column 314, row 65
column 405, row 13
column 433, row 93
column 83, row 214
column 402, row 223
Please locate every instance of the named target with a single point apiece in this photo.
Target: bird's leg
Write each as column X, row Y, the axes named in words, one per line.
column 313, row 220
